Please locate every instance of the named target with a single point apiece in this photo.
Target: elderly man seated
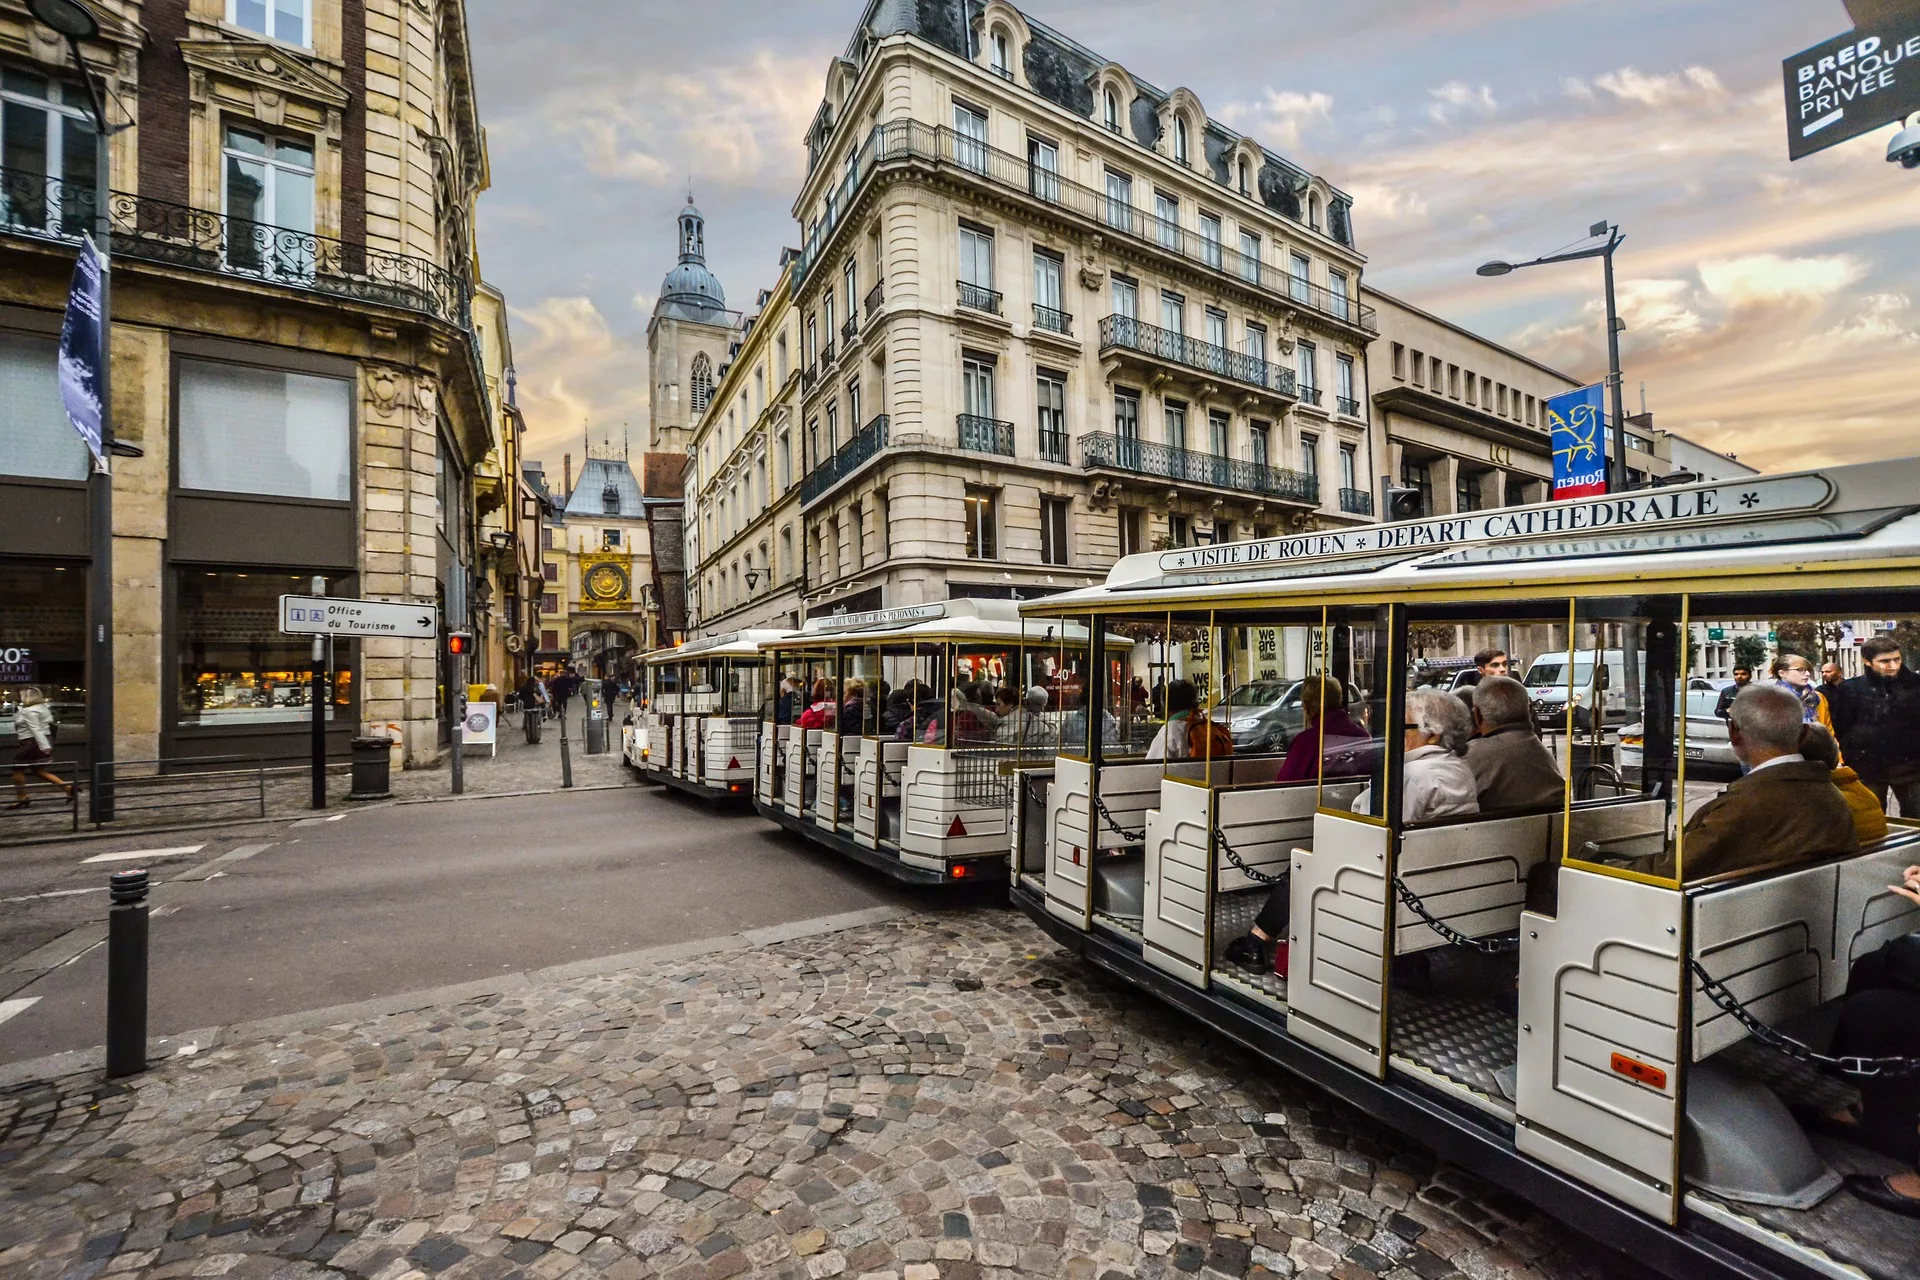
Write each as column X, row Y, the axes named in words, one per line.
column 1510, row 766
column 1786, row 808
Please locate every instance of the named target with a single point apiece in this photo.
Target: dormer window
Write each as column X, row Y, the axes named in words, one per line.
column 1180, row 148
column 610, row 502
column 1112, row 116
column 1002, row 56
column 1246, row 171
column 1313, row 210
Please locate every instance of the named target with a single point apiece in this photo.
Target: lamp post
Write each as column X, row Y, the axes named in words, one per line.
column 76, row 22
column 1617, row 470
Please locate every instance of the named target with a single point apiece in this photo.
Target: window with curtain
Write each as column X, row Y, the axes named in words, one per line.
column 35, row 437
column 47, row 148
column 264, row 431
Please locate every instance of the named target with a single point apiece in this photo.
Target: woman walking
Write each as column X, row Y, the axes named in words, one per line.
column 33, row 728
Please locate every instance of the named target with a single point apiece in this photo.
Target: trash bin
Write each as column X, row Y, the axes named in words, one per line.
column 372, row 768
column 531, row 718
column 596, row 734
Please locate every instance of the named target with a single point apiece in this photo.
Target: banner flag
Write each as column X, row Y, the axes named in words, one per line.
column 1576, row 424
column 82, row 349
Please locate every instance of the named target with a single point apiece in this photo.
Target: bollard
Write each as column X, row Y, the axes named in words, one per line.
column 127, row 975
column 566, row 755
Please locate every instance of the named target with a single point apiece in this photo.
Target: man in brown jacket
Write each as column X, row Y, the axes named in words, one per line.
column 1510, row 766
column 1786, row 808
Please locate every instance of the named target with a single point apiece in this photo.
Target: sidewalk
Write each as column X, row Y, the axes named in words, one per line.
column 937, row 1095
column 515, row 768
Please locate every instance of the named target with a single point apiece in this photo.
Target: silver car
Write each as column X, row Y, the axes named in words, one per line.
column 1709, row 749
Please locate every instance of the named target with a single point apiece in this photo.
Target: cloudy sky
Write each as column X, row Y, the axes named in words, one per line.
column 1770, row 306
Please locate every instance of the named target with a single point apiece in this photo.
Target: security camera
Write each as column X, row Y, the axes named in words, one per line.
column 1904, row 150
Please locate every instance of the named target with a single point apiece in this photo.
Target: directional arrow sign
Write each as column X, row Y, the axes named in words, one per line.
column 329, row 616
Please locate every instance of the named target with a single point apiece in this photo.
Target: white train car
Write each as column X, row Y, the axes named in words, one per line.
column 702, row 726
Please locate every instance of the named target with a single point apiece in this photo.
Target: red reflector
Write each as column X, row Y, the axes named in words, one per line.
column 1646, row 1073
column 960, row 871
column 733, row 762
column 958, row 828
column 1076, row 855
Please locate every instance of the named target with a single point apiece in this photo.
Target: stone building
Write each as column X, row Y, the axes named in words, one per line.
column 294, row 351
column 597, row 608
column 1049, row 313
column 743, row 519
column 509, row 515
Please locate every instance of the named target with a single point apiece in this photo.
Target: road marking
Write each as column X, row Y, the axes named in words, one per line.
column 13, row 1008
column 136, row 855
column 55, row 893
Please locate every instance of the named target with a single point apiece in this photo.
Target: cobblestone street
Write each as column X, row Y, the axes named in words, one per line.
column 938, row 1095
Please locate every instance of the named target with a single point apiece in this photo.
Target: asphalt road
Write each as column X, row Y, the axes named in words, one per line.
column 280, row 918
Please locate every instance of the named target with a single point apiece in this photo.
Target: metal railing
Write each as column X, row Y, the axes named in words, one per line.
column 1308, row 394
column 1356, row 502
column 1150, row 339
column 1053, row 446
column 1052, row 319
column 899, row 142
column 875, row 296
column 851, row 329
column 978, row 297
column 176, row 235
column 846, row 460
column 826, row 352
column 1147, row 458
column 185, row 783
column 1347, row 405
column 984, row 435
column 809, row 376
column 984, row 775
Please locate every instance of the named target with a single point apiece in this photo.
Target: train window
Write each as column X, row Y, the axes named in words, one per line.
column 980, row 674
column 861, row 692
column 1058, row 660
column 666, row 681
column 909, row 678
column 1138, row 667
column 1265, row 700
column 1356, row 652
column 820, row 677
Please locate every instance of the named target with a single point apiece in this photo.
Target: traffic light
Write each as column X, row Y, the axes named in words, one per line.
column 1403, row 504
column 459, row 643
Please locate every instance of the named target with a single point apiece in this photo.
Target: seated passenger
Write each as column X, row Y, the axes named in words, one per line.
column 853, row 707
column 823, row 712
column 1437, row 784
column 1329, row 734
column 1869, row 819
column 1511, row 768
column 1025, row 725
column 1171, row 742
column 1786, row 808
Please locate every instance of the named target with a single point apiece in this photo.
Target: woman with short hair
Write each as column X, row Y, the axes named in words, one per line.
column 33, row 729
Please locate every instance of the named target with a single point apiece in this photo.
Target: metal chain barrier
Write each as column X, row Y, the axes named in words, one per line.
column 1485, row 946
column 1233, row 856
column 1131, row 837
column 1717, row 992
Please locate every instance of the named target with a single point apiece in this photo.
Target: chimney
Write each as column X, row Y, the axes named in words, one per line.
column 566, row 461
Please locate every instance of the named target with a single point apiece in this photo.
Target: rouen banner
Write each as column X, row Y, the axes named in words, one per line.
column 1577, row 426
column 82, row 350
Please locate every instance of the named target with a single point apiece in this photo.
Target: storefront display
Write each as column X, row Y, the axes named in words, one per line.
column 235, row 666
column 43, row 625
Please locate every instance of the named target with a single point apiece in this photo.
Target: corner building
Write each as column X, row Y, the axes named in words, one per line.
column 1050, row 314
column 294, row 351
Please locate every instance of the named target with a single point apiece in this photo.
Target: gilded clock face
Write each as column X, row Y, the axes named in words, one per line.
column 607, row 582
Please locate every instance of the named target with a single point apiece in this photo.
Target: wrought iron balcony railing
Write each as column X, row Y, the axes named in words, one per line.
column 849, row 458
column 1147, row 458
column 905, row 142
column 851, row 329
column 1347, row 405
column 1309, row 395
column 809, row 376
column 175, row 235
column 1053, row 446
column 1052, row 319
column 1150, row 339
column 826, row 352
column 1356, row 502
column 984, row 435
column 978, row 297
column 875, row 296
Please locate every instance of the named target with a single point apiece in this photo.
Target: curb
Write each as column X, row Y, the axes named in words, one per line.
column 164, row 1049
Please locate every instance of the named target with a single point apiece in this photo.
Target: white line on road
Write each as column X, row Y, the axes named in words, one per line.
column 137, row 854
column 13, row 1008
column 55, row 893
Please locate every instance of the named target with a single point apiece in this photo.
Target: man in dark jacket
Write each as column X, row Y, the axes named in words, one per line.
column 1510, row 766
column 1742, row 677
column 1876, row 716
column 1785, row 809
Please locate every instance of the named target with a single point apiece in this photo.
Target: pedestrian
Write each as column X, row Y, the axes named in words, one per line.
column 33, row 728
column 1742, row 677
column 1877, row 718
column 561, row 691
column 1794, row 673
column 1487, row 662
column 1830, row 678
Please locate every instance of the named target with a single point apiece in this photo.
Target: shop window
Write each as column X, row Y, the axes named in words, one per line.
column 235, row 667
column 43, row 627
column 35, row 437
column 264, row 431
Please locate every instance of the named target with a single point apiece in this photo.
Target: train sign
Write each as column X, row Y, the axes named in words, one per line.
column 1852, row 84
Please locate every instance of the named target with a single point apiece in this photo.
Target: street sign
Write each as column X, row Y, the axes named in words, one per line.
column 326, row 616
column 1852, row 84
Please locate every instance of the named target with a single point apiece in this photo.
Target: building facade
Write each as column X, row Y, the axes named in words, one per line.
column 509, row 516
column 743, row 518
column 1049, row 314
column 597, row 606
column 294, row 351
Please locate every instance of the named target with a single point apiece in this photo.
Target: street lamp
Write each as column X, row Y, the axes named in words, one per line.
column 1617, row 471
column 77, row 22
column 753, row 579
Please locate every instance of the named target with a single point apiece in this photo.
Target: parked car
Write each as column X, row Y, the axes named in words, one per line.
column 1709, row 749
column 1264, row 715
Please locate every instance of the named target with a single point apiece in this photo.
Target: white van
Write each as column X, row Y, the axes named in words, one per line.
column 1547, row 685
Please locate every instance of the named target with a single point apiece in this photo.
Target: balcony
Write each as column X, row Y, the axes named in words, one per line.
column 874, row 297
column 1309, row 395
column 1105, row 450
column 850, row 330
column 1053, row 446
column 174, row 235
column 1356, row 502
column 826, row 353
column 904, row 142
column 809, row 376
column 1164, row 345
column 1347, row 406
column 984, row 435
column 1052, row 320
column 978, row 297
column 849, row 458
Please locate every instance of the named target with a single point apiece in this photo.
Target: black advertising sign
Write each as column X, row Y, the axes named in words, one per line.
column 1852, row 84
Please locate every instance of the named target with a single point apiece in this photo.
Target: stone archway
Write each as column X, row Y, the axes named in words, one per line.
column 607, row 647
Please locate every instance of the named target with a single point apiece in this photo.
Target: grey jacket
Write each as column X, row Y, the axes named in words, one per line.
column 1514, row 770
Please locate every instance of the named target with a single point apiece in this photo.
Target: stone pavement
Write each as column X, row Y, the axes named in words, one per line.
column 941, row 1095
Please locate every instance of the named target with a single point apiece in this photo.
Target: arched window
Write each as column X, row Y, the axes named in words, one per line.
column 1113, row 111
column 701, row 382
column 1245, row 171
column 1180, row 151
column 1002, row 57
column 1313, row 210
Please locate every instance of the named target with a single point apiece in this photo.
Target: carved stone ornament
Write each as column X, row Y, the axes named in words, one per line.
column 265, row 66
column 383, row 388
column 426, row 398
column 1094, row 278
